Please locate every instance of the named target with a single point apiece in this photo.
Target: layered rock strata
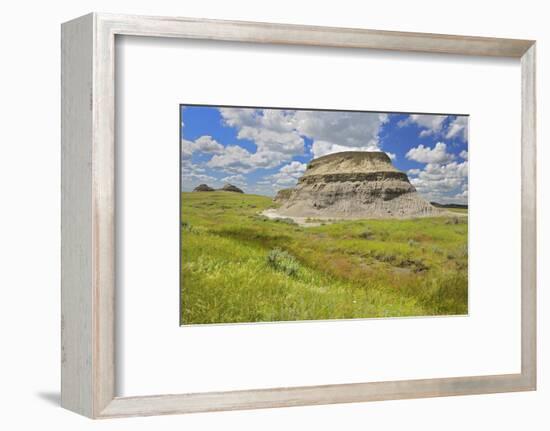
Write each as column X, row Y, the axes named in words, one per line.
column 353, row 185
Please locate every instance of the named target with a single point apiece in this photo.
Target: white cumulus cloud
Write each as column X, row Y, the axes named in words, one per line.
column 458, row 127
column 348, row 129
column 322, row 148
column 423, row 154
column 289, row 174
column 192, row 175
column 438, row 125
column 431, row 124
column 271, row 130
column 235, row 179
column 279, row 134
column 234, row 159
column 442, row 183
column 204, row 144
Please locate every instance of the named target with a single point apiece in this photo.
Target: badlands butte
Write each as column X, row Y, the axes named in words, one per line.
column 352, row 185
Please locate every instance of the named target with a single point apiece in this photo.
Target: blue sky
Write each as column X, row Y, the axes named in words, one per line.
column 265, row 150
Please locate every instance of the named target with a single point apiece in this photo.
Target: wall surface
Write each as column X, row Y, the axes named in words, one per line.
column 29, row 218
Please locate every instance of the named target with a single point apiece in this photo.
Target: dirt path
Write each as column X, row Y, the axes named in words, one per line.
column 318, row 221
column 300, row 221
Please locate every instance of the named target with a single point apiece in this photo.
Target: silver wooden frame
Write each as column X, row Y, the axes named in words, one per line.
column 88, row 215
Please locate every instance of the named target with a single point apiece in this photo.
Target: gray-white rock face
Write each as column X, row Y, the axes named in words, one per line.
column 354, row 185
column 283, row 195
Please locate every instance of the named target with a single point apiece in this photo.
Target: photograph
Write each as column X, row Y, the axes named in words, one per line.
column 256, row 215
column 309, row 214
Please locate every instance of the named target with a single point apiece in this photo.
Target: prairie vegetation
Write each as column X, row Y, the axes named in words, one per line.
column 238, row 266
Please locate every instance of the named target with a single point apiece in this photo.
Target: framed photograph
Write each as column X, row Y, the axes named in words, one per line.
column 264, row 215
column 300, row 214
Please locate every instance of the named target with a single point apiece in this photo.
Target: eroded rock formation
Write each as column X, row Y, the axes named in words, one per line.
column 231, row 188
column 282, row 195
column 203, row 188
column 225, row 188
column 353, row 185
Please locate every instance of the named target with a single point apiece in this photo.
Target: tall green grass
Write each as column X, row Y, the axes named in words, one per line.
column 238, row 266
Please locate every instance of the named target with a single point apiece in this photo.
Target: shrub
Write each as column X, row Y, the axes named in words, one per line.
column 283, row 261
column 416, row 265
column 383, row 235
column 386, row 257
column 260, row 217
column 367, row 234
column 285, row 220
column 437, row 250
column 188, row 227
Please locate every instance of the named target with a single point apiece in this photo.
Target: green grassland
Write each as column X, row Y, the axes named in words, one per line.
column 458, row 210
column 238, row 266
